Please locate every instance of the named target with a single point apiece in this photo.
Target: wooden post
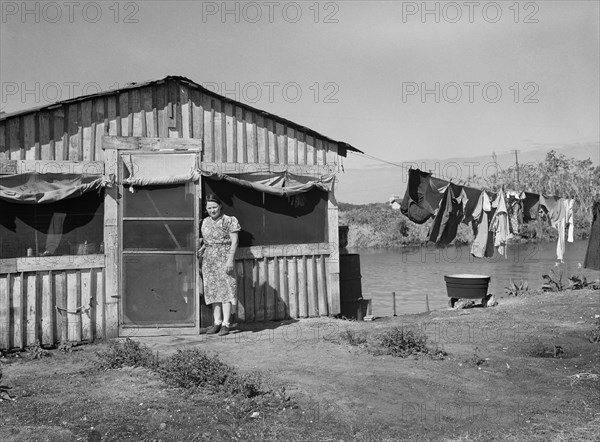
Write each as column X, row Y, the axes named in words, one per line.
column 111, row 245
column 427, row 302
column 393, row 303
column 333, row 262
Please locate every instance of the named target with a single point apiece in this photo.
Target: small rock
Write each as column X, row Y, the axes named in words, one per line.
column 489, row 301
column 162, row 426
column 464, row 303
column 255, row 414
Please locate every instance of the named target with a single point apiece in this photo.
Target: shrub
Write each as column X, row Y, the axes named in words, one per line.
column 127, row 353
column 193, row 368
column 399, row 342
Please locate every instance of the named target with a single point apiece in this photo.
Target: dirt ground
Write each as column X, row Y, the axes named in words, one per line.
column 523, row 370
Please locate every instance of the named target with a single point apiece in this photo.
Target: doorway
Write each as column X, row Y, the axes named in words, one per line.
column 159, row 267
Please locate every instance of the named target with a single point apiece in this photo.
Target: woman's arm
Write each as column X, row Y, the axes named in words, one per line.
column 232, row 249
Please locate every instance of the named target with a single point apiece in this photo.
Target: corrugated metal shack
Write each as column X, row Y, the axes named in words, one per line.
column 119, row 259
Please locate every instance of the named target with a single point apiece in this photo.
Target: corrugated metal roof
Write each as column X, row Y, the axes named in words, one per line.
column 187, row 82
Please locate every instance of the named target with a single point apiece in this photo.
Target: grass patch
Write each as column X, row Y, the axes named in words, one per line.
column 127, row 353
column 193, row 368
column 402, row 343
column 349, row 337
column 399, row 342
column 187, row 368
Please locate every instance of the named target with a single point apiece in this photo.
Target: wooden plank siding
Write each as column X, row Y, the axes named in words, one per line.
column 230, row 132
column 49, row 306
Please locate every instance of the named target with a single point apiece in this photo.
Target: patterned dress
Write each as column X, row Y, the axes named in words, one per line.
column 219, row 286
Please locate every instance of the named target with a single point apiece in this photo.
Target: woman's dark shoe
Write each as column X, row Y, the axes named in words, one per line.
column 224, row 331
column 213, row 330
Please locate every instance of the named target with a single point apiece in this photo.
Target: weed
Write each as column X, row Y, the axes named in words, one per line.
column 580, row 281
column 192, row 368
column 36, row 351
column 399, row 342
column 476, row 358
column 515, row 289
column 127, row 353
column 65, row 346
column 353, row 338
column 553, row 282
column 594, row 335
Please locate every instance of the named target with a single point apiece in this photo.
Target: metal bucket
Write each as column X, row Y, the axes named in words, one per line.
column 465, row 286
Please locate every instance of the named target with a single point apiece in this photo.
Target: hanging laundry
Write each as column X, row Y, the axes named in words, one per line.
column 592, row 255
column 449, row 216
column 514, row 204
column 482, row 246
column 472, row 202
column 422, row 198
column 552, row 206
column 531, row 206
column 499, row 223
column 557, row 209
column 570, row 219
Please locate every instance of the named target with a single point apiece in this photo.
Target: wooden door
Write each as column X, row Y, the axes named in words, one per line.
column 158, row 239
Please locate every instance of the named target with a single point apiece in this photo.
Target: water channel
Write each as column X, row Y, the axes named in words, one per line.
column 414, row 272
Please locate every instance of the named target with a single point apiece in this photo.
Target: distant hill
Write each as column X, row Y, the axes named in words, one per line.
column 376, row 183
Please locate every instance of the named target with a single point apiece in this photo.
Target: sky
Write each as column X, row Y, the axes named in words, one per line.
column 399, row 80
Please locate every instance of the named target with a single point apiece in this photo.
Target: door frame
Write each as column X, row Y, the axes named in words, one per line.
column 149, row 330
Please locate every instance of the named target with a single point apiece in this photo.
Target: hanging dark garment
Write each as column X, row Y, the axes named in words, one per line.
column 514, row 205
column 445, row 224
column 531, row 206
column 472, row 200
column 592, row 255
column 421, row 198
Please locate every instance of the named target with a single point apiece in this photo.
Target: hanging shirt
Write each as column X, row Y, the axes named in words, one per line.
column 592, row 255
column 472, row 196
column 499, row 224
column 449, row 216
column 557, row 212
column 422, row 197
column 553, row 207
column 481, row 247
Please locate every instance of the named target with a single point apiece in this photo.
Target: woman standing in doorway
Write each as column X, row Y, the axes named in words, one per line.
column 220, row 241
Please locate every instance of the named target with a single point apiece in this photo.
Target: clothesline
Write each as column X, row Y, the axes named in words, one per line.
column 499, row 213
column 394, row 164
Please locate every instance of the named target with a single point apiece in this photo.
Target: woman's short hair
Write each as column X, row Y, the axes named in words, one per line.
column 210, row 198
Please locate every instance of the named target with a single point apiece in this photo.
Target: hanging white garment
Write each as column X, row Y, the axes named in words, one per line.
column 570, row 219
column 499, row 224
